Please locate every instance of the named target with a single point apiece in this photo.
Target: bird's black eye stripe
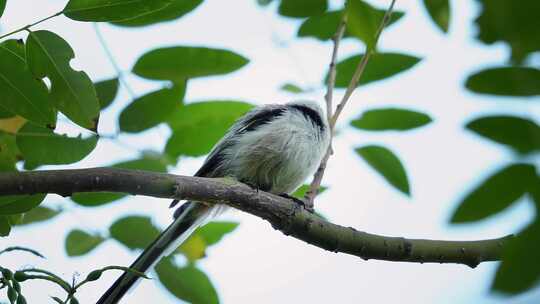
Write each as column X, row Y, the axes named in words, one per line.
column 262, row 118
column 310, row 114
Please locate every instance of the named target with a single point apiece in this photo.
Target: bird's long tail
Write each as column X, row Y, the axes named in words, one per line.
column 192, row 216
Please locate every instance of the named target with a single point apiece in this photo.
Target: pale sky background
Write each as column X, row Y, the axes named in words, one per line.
column 256, row 264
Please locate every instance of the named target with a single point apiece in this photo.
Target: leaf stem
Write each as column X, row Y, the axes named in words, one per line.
column 26, row 27
column 110, row 56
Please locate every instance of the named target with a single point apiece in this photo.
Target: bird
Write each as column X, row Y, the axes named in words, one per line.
column 273, row 148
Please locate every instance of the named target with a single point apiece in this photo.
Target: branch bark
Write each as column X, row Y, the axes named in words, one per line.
column 283, row 214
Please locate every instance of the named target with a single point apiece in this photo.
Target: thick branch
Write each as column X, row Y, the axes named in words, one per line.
column 282, row 213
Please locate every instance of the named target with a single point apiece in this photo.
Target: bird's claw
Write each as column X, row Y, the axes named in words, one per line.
column 306, row 204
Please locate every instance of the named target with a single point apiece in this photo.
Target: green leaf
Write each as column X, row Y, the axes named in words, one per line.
column 324, row 27
column 5, row 227
column 380, row 66
column 206, row 122
column 106, row 91
column 301, row 192
column 148, row 162
column 213, row 232
column 520, row 134
column 520, row 270
column 4, row 113
column 292, row 88
column 49, row 55
column 496, row 193
column 14, row 204
column 22, row 94
column 387, row 164
column 39, row 214
column 186, row 283
column 302, row 8
column 40, row 146
column 9, row 152
column 179, row 63
column 175, row 10
column 510, row 22
column 2, row 7
column 94, row 199
column 390, row 119
column 79, row 242
column 151, row 109
column 506, row 81
column 363, row 21
column 112, row 10
column 135, row 232
column 194, row 248
column 439, row 11
column 264, row 2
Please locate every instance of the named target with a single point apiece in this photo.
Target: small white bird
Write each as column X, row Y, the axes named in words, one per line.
column 274, row 148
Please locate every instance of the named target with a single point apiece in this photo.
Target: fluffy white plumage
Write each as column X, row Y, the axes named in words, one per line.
column 272, row 147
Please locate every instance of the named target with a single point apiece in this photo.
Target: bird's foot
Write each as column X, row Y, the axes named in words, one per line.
column 302, row 202
column 252, row 186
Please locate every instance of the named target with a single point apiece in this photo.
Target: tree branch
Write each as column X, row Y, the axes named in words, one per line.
column 283, row 214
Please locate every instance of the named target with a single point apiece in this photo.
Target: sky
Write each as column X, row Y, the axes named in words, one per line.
column 257, row 263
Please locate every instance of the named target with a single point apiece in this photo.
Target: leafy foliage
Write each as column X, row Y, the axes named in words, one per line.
column 387, row 164
column 112, row 10
column 49, row 55
column 40, row 146
column 187, row 283
column 79, row 242
column 161, row 64
column 22, row 94
column 363, row 21
column 496, row 193
column 15, row 204
column 152, row 109
column 381, row 66
column 523, row 135
column 519, row 270
column 123, row 231
column 302, row 8
column 439, row 11
column 292, row 88
column 106, row 91
column 207, row 121
column 39, row 214
column 506, row 81
column 510, row 22
column 301, row 192
column 324, row 26
column 2, row 7
column 391, row 119
column 213, row 232
column 173, row 11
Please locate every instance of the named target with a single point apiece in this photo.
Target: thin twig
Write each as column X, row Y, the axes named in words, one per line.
column 115, row 66
column 332, row 118
column 317, row 178
column 362, row 65
column 332, row 74
column 26, row 27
